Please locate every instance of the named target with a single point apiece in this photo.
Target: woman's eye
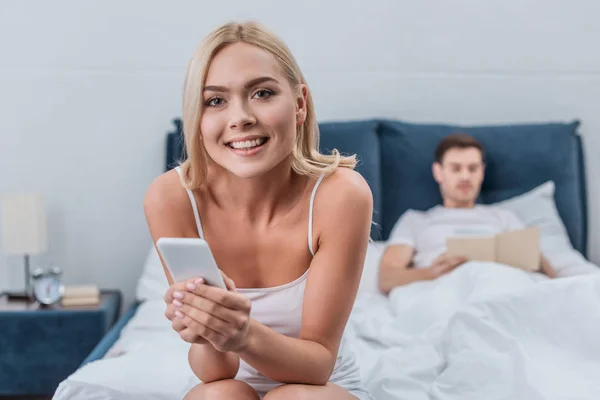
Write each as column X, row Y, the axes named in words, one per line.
column 263, row 93
column 214, row 102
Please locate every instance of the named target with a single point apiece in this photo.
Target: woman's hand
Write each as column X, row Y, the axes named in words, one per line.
column 176, row 322
column 202, row 313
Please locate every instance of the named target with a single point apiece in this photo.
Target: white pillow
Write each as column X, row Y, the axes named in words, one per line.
column 537, row 208
column 153, row 283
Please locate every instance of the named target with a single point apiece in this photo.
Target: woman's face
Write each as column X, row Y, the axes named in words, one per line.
column 250, row 111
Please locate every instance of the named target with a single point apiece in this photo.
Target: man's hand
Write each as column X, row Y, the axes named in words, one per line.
column 395, row 268
column 443, row 265
column 546, row 268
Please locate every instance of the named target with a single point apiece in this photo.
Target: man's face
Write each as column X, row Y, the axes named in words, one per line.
column 460, row 175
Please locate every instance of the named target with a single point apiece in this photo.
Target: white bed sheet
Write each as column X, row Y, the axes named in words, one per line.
column 148, row 361
column 486, row 331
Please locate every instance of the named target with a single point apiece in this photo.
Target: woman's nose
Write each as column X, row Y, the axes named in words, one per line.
column 241, row 116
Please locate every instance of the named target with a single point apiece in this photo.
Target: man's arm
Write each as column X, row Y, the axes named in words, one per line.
column 396, row 261
column 395, row 268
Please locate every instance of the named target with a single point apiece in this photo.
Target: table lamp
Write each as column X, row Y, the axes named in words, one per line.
column 24, row 232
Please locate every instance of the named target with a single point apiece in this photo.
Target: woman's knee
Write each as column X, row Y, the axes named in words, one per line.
column 289, row 392
column 222, row 390
column 309, row 392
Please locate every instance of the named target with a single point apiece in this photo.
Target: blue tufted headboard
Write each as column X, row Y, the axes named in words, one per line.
column 395, row 158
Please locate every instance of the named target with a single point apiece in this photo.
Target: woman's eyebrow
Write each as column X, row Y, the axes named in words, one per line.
column 249, row 84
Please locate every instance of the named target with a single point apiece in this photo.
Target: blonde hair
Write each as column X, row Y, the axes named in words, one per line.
column 307, row 160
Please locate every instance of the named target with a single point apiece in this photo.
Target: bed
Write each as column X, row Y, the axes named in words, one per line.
column 485, row 331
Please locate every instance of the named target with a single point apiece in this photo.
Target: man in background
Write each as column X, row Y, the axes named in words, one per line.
column 415, row 249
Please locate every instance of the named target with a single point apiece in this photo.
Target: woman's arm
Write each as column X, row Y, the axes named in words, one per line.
column 211, row 365
column 342, row 215
column 167, row 208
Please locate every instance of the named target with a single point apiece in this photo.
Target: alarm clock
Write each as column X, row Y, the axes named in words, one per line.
column 47, row 285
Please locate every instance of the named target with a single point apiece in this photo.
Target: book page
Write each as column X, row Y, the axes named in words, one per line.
column 520, row 248
column 474, row 248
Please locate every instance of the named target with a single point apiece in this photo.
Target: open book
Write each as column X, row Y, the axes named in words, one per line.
column 519, row 248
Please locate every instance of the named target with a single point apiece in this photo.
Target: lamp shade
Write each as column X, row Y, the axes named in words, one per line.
column 24, row 225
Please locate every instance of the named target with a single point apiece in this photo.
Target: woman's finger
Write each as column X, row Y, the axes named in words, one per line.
column 178, row 325
column 232, row 300
column 179, row 287
column 200, row 329
column 216, row 317
column 188, row 335
column 229, row 283
column 206, row 305
column 170, row 311
column 168, row 298
column 210, row 321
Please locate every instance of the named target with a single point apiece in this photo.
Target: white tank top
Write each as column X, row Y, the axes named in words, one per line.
column 280, row 308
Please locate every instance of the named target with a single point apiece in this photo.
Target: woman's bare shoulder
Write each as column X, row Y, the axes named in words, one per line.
column 345, row 198
column 345, row 185
column 164, row 190
column 166, row 203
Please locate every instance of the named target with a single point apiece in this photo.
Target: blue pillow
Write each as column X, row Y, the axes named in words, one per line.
column 512, row 166
column 360, row 138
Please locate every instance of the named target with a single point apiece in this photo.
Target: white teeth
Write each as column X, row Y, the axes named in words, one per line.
column 247, row 144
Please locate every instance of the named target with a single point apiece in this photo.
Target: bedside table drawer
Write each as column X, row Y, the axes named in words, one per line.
column 40, row 348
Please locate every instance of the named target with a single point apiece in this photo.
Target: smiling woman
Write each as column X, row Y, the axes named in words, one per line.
column 255, row 187
column 262, row 95
column 246, row 69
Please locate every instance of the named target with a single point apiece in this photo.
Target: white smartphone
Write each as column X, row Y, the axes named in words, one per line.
column 187, row 258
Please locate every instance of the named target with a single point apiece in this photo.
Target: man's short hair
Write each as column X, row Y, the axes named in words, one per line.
column 457, row 140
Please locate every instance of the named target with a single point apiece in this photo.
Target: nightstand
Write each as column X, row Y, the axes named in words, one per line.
column 42, row 346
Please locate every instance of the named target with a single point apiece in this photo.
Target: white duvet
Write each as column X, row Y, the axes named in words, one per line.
column 484, row 332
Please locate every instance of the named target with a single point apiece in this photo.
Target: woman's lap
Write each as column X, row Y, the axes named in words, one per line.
column 309, row 392
column 240, row 389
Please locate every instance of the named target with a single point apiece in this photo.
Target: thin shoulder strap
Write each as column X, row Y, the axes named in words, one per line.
column 310, row 215
column 194, row 206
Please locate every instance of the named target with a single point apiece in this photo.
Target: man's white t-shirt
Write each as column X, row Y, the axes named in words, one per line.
column 426, row 231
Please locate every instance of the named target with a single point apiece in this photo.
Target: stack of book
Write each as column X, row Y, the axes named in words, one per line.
column 80, row 295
